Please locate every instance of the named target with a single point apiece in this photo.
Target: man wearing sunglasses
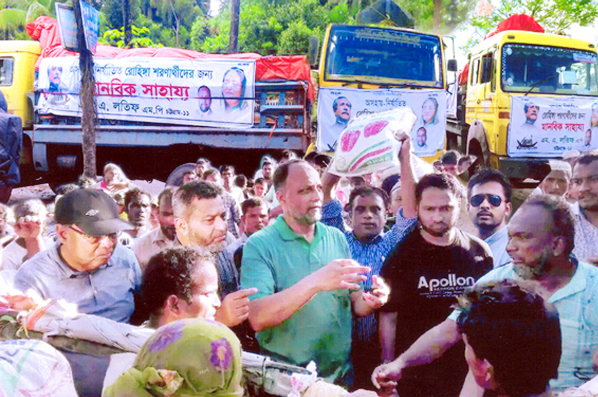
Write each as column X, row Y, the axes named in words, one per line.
column 489, row 205
column 86, row 267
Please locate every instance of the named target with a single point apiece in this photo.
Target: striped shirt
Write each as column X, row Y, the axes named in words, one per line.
column 371, row 254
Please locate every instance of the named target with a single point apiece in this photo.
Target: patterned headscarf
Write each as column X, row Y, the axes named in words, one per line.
column 194, row 357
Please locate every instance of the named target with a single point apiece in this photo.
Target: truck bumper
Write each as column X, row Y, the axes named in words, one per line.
column 523, row 168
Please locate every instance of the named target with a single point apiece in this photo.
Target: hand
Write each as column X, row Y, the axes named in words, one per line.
column 328, row 182
column 235, row 307
column 28, row 227
column 17, row 302
column 340, row 274
column 385, row 376
column 405, row 147
column 379, row 294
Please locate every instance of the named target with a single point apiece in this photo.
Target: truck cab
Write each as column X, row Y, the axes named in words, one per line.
column 524, row 65
column 17, row 61
column 377, row 69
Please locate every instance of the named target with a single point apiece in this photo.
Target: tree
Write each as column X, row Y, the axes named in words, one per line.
column 555, row 16
column 263, row 25
column 438, row 16
column 16, row 13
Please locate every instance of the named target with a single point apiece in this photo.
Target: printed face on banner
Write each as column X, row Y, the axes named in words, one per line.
column 172, row 91
column 204, row 96
column 549, row 126
column 339, row 106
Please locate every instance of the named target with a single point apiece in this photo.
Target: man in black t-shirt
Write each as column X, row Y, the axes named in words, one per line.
column 427, row 271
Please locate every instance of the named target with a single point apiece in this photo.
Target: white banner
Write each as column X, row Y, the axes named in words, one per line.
column 549, row 126
column 337, row 106
column 160, row 90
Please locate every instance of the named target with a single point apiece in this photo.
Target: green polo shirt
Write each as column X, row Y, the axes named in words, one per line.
column 276, row 258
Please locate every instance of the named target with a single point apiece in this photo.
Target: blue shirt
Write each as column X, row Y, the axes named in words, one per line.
column 371, row 253
column 586, row 235
column 577, row 305
column 498, row 245
column 106, row 292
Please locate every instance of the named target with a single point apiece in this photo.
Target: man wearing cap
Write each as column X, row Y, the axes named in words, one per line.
column 86, row 266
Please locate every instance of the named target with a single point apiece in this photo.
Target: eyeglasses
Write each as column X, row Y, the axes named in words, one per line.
column 95, row 239
column 478, row 199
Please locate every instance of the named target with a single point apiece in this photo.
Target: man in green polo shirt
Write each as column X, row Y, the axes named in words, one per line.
column 307, row 285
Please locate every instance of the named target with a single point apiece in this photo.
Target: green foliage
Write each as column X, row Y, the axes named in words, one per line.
column 140, row 38
column 15, row 14
column 555, row 16
column 113, row 11
column 269, row 27
column 451, row 13
column 294, row 39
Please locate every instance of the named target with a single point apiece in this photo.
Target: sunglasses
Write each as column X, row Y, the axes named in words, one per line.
column 95, row 239
column 478, row 199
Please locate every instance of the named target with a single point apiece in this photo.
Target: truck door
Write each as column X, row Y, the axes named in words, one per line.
column 487, row 99
column 473, row 88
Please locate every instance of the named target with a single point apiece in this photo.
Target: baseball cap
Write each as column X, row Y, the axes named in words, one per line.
column 92, row 210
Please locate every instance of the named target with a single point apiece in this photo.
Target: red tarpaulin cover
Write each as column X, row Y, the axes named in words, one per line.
column 514, row 22
column 517, row 22
column 274, row 67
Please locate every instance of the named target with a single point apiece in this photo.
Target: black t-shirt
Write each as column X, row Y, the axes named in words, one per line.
column 425, row 279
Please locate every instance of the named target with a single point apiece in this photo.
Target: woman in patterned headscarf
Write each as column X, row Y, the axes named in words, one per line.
column 185, row 358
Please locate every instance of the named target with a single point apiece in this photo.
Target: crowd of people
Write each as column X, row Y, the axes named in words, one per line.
column 403, row 285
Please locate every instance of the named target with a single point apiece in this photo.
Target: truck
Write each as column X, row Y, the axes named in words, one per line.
column 527, row 97
column 157, row 108
column 370, row 69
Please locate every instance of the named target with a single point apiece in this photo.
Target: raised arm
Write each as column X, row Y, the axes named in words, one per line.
column 408, row 181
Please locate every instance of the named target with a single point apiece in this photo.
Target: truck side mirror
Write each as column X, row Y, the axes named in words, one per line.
column 451, row 65
column 312, row 51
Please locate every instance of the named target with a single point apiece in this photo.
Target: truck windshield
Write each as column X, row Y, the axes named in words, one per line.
column 385, row 56
column 548, row 70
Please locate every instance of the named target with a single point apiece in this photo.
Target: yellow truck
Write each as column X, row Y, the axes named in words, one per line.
column 370, row 69
column 528, row 97
column 17, row 63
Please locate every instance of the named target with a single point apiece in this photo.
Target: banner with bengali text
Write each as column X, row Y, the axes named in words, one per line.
column 337, row 106
column 549, row 126
column 161, row 90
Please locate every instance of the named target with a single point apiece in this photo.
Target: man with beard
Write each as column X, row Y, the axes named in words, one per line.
column 541, row 239
column 303, row 310
column 584, row 186
column 489, row 206
column 161, row 237
column 426, row 271
column 86, row 267
column 200, row 221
